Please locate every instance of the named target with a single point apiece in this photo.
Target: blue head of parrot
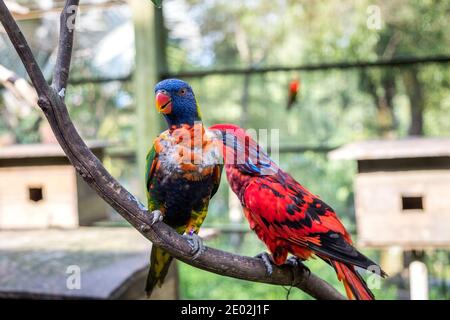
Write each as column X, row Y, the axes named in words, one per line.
column 175, row 99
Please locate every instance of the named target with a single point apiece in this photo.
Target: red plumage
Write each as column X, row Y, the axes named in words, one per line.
column 287, row 217
column 294, row 87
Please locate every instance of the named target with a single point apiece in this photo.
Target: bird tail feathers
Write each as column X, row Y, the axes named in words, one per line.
column 355, row 286
column 159, row 266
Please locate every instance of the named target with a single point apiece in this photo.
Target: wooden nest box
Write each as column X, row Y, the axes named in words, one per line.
column 39, row 188
column 402, row 191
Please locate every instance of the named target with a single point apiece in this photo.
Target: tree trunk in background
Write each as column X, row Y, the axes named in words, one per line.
column 416, row 101
column 389, row 87
column 383, row 101
column 245, row 101
column 145, row 78
column 234, row 206
column 244, row 50
column 161, row 34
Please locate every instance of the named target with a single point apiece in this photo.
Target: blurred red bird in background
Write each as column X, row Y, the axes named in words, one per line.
column 286, row 216
column 294, row 88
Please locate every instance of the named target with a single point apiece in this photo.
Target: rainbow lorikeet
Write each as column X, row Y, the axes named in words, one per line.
column 286, row 216
column 183, row 172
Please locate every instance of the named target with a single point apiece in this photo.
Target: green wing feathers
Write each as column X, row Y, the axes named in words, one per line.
column 150, row 165
column 152, row 159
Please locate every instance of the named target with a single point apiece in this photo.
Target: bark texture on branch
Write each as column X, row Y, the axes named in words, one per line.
column 66, row 34
column 93, row 172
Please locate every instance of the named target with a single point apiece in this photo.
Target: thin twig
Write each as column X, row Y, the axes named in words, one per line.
column 66, row 34
column 161, row 235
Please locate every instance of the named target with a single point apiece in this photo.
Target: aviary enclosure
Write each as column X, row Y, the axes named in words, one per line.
column 356, row 92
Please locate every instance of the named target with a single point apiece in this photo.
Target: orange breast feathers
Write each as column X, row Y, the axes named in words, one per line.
column 187, row 150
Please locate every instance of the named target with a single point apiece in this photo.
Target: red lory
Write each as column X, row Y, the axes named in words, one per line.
column 183, row 172
column 294, row 88
column 286, row 216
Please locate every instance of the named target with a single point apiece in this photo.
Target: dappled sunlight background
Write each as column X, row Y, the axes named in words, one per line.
column 334, row 106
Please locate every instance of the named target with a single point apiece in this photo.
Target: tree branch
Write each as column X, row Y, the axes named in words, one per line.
column 21, row 46
column 93, row 172
column 66, row 33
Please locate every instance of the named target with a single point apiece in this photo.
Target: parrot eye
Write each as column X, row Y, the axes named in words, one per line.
column 182, row 92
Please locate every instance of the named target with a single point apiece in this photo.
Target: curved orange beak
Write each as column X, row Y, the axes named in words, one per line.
column 163, row 103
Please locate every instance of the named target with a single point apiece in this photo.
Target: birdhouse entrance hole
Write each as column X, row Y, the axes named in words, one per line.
column 412, row 203
column 35, row 194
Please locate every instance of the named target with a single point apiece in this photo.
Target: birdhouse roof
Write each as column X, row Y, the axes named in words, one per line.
column 41, row 150
column 413, row 147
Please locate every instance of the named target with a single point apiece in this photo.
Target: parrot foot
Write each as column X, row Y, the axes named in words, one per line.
column 157, row 216
column 196, row 244
column 267, row 260
column 297, row 263
column 299, row 269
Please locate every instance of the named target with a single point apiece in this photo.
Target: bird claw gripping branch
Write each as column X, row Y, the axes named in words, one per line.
column 297, row 263
column 267, row 260
column 196, row 244
column 298, row 269
column 157, row 216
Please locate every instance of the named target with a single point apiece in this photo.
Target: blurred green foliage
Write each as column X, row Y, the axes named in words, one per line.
column 334, row 107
